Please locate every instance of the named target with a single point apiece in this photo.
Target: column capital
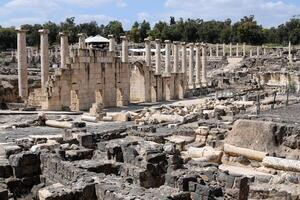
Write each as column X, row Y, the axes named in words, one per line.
column 123, row 37
column 81, row 35
column 157, row 40
column 167, row 41
column 63, row 33
column 44, row 31
column 197, row 44
column 176, row 42
column 20, row 29
column 191, row 44
column 183, row 43
column 111, row 36
column 147, row 40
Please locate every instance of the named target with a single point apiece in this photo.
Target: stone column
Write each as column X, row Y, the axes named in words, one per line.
column 290, row 52
column 217, row 50
column 230, row 49
column 167, row 57
column 157, row 57
column 64, row 49
column 112, row 43
column 124, row 49
column 244, row 49
column 210, row 51
column 198, row 64
column 44, row 56
column 257, row 51
column 204, row 65
column 176, row 57
column 81, row 43
column 191, row 65
column 237, row 50
column 22, row 63
column 183, row 60
column 265, row 51
column 148, row 51
column 251, row 53
column 224, row 48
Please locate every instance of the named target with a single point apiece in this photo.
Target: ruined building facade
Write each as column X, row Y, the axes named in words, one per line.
column 89, row 75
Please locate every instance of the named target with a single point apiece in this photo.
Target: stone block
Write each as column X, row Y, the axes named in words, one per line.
column 3, row 194
column 25, row 164
column 55, row 192
column 11, row 149
column 79, row 154
column 5, row 169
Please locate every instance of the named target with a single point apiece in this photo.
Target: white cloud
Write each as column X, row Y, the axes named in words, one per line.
column 143, row 16
column 100, row 19
column 268, row 12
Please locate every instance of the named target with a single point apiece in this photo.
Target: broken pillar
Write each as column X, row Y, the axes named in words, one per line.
column 176, row 57
column 257, row 51
column 244, row 49
column 191, row 65
column 230, row 49
column 198, row 65
column 157, row 57
column 183, row 60
column 64, row 49
column 217, row 50
column 22, row 63
column 124, row 49
column 148, row 51
column 290, row 52
column 82, row 37
column 224, row 53
column 44, row 56
column 237, row 50
column 204, row 65
column 111, row 43
column 167, row 57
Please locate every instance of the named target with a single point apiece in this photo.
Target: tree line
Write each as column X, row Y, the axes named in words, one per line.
column 191, row 30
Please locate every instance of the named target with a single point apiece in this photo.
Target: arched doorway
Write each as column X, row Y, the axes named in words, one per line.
column 137, row 83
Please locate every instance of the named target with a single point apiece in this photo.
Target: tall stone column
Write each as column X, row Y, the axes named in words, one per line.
column 191, row 65
column 183, row 59
column 64, row 49
column 124, row 49
column 224, row 48
column 167, row 57
column 237, row 50
column 198, row 64
column 204, row 65
column 257, row 51
column 230, row 49
column 210, row 52
column 158, row 57
column 148, row 51
column 290, row 52
column 44, row 56
column 265, row 51
column 82, row 37
column 251, row 53
column 112, row 43
column 176, row 57
column 244, row 49
column 22, row 63
column 217, row 50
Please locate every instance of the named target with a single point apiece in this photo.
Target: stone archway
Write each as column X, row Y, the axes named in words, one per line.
column 137, row 83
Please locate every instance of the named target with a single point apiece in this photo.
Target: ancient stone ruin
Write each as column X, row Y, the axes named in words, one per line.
column 169, row 120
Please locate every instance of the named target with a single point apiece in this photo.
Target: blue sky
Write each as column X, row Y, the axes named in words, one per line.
column 267, row 12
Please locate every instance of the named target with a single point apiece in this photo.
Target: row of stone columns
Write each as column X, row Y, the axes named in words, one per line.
column 23, row 62
column 196, row 62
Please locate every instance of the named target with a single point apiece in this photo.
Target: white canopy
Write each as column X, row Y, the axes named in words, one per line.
column 96, row 39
